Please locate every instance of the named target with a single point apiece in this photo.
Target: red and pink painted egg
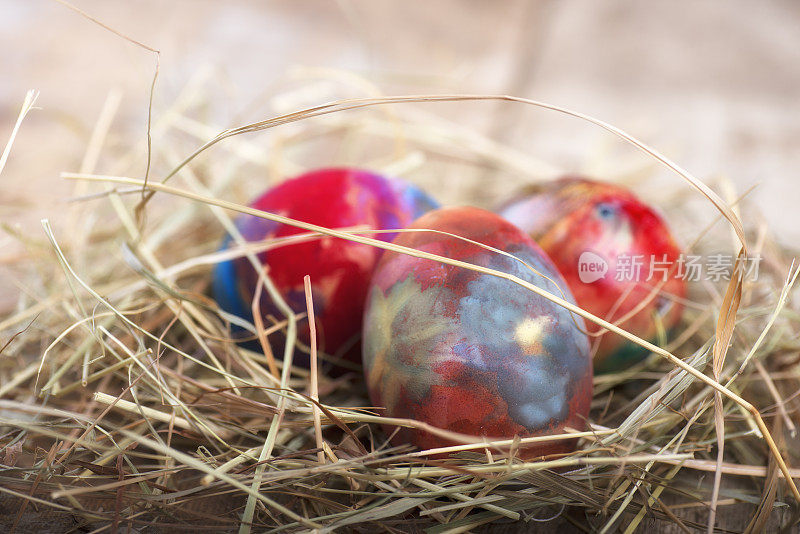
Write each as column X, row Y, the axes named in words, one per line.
column 470, row 352
column 337, row 198
column 615, row 252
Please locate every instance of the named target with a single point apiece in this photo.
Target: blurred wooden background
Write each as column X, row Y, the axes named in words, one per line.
column 713, row 83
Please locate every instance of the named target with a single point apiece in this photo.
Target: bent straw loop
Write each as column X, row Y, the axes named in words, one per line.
column 356, row 103
column 457, row 263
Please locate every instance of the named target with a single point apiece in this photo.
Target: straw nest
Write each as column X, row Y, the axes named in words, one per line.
column 124, row 404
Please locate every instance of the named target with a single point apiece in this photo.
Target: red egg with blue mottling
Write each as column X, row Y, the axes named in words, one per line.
column 615, row 252
column 471, row 352
column 333, row 198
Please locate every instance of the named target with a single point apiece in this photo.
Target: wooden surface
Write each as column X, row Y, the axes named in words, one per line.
column 714, row 85
column 730, row 519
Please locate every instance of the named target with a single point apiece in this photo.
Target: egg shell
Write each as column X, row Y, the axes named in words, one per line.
column 471, row 352
column 334, row 198
column 599, row 235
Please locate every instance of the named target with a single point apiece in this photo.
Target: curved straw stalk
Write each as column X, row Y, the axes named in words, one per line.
column 355, row 103
column 159, row 187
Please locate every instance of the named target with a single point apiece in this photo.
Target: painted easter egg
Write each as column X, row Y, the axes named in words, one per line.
column 615, row 252
column 471, row 352
column 338, row 198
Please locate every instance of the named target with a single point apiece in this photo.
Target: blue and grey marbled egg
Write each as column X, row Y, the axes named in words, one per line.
column 471, row 352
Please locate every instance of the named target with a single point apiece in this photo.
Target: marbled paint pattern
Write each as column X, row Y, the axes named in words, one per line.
column 571, row 216
column 334, row 198
column 471, row 352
